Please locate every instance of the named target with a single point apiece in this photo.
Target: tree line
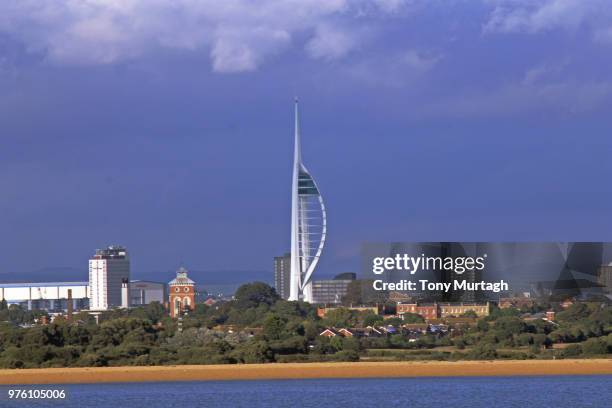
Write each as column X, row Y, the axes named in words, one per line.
column 258, row 327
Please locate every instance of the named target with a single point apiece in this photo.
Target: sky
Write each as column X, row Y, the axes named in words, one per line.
column 166, row 126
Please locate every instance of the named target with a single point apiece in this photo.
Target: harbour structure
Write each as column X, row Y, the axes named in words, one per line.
column 50, row 296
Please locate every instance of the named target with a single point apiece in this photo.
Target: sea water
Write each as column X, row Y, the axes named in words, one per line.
column 456, row 392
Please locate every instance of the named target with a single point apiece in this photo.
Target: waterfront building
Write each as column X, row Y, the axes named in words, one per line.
column 53, row 296
column 49, row 296
column 308, row 224
column 331, row 291
column 108, row 268
column 181, row 293
column 282, row 275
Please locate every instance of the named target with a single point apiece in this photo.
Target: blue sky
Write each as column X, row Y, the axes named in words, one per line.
column 167, row 126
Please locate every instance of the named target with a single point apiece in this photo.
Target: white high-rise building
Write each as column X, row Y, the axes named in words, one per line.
column 108, row 269
column 308, row 225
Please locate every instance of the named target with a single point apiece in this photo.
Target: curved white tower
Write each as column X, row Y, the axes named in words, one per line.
column 308, row 224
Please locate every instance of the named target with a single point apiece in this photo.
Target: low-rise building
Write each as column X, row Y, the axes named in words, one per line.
column 458, row 309
column 432, row 311
column 322, row 311
column 427, row 310
column 329, row 332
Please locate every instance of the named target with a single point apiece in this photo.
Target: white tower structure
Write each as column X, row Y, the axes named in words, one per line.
column 308, row 224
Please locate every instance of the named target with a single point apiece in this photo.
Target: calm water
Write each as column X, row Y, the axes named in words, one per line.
column 474, row 392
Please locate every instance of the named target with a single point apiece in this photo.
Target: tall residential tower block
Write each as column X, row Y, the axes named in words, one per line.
column 109, row 268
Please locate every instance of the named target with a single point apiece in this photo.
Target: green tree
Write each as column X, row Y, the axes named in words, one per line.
column 346, row 355
column 372, row 319
column 340, row 317
column 254, row 294
column 394, row 321
column 413, row 318
column 274, row 327
column 594, row 346
column 483, row 352
column 482, row 325
column 573, row 350
column 336, row 343
column 254, row 352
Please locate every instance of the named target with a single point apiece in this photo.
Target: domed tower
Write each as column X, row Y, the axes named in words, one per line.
column 181, row 293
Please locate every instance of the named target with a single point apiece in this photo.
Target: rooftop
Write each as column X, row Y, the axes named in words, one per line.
column 112, row 252
column 181, row 278
column 41, row 284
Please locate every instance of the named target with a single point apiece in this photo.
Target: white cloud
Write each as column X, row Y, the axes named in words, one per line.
column 533, row 16
column 236, row 50
column 331, row 42
column 238, row 34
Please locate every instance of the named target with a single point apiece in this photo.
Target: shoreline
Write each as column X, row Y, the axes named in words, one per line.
column 278, row 371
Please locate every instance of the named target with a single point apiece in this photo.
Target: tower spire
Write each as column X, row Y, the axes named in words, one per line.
column 308, row 224
column 297, row 156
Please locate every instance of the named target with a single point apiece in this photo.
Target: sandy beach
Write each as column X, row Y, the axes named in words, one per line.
column 305, row 370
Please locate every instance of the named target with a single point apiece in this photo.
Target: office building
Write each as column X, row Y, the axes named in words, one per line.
column 331, row 291
column 308, row 224
column 108, row 268
column 282, row 275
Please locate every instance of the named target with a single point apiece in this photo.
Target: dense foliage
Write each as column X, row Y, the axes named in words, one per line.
column 258, row 327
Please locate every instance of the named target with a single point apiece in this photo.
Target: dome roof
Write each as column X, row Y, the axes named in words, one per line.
column 181, row 278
